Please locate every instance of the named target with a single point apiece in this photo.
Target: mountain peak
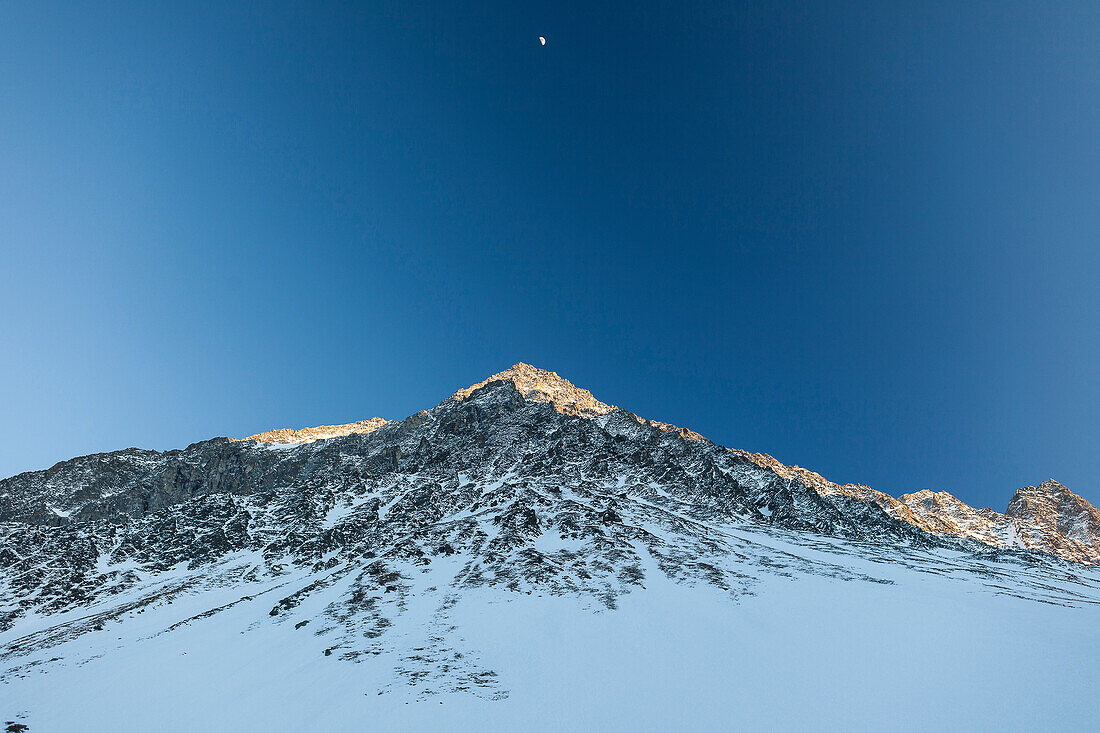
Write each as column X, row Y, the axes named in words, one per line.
column 1068, row 522
column 540, row 385
column 1047, row 490
column 1054, row 486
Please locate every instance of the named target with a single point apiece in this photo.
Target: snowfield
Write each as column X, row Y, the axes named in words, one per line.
column 928, row 643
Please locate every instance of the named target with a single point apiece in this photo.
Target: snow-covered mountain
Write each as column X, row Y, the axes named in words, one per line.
column 523, row 554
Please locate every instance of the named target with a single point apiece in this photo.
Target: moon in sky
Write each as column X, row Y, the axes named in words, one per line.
column 542, row 41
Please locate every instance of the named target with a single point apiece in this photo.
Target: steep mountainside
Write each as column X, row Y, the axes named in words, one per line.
column 380, row 543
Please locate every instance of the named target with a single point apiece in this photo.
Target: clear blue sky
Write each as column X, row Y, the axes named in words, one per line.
column 862, row 237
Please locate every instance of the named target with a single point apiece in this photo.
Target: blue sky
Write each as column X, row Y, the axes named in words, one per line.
column 861, row 237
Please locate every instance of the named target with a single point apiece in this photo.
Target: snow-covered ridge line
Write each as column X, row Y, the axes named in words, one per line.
column 1049, row 518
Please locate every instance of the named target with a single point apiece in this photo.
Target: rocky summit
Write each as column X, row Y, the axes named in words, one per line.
column 369, row 556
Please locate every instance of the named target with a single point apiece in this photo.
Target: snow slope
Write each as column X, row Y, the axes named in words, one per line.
column 523, row 556
column 931, row 642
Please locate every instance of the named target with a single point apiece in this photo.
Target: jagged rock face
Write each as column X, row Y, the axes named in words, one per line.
column 944, row 514
column 480, row 429
column 322, row 432
column 1051, row 518
column 898, row 509
column 125, row 484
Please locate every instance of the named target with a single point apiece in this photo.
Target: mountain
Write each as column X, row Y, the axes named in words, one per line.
column 524, row 554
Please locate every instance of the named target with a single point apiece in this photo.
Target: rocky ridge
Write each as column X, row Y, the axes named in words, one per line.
column 321, row 432
column 1049, row 518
